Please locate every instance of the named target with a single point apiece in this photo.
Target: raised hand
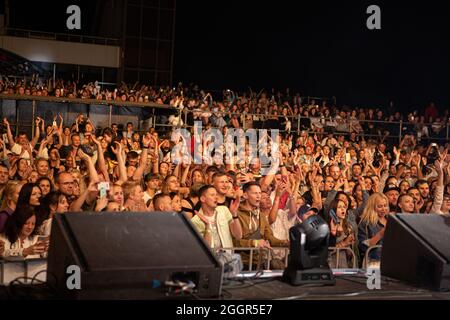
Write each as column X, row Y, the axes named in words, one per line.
column 117, row 151
column 234, row 206
column 82, row 155
column 146, row 140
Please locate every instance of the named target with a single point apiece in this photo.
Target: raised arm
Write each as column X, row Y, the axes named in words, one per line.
column 118, row 151
column 37, row 132
column 101, row 158
column 137, row 176
column 8, row 132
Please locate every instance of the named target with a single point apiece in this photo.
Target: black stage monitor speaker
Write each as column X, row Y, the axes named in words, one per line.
column 130, row 256
column 416, row 249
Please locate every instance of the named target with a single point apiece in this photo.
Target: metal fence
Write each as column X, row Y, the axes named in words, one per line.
column 22, row 110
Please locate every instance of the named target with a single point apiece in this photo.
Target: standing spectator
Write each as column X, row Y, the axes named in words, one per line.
column 372, row 226
column 217, row 224
column 256, row 231
column 10, row 198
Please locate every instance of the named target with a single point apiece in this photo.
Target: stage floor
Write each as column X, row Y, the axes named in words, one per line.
column 350, row 287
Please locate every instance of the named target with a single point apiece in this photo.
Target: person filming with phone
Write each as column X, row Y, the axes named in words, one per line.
column 20, row 239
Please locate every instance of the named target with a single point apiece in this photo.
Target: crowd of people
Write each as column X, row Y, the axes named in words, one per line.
column 266, row 109
column 354, row 182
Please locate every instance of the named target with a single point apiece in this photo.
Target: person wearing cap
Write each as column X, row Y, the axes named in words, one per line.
column 392, row 192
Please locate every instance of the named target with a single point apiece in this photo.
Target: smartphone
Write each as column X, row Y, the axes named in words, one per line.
column 284, row 178
column 54, row 123
column 333, row 216
column 103, row 187
column 42, row 238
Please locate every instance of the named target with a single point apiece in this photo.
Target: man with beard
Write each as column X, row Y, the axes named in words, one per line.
column 392, row 192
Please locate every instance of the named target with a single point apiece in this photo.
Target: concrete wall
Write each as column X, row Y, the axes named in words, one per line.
column 62, row 52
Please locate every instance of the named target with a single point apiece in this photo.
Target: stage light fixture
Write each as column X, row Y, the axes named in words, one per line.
column 308, row 258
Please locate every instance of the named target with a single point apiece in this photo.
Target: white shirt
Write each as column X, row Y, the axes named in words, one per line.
column 16, row 249
column 17, row 148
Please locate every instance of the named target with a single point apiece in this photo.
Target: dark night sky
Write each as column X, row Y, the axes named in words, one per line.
column 316, row 47
column 320, row 48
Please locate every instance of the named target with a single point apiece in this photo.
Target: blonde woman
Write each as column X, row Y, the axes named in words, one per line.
column 372, row 225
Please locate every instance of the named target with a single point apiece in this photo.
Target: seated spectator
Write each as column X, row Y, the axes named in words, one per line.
column 20, row 237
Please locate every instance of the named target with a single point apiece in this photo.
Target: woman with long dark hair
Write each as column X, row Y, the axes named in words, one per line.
column 53, row 203
column 20, row 235
column 29, row 196
column 342, row 234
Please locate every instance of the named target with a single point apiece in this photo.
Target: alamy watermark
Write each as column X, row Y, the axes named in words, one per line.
column 235, row 146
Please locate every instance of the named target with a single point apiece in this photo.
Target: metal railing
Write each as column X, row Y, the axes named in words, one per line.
column 270, row 252
column 366, row 261
column 155, row 110
column 25, row 269
column 348, row 124
column 395, row 128
column 45, row 35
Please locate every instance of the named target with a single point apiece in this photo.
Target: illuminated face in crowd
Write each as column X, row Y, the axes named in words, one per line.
column 406, row 204
column 117, row 195
column 209, row 198
column 28, row 227
column 335, row 172
column 197, row 177
column 66, row 184
column 22, row 140
column 404, row 186
column 266, row 202
column 329, row 183
column 62, row 206
column 34, row 176
column 341, row 210
column 392, row 196
column 368, row 183
column 221, row 184
column 4, row 175
column 35, row 197
column 176, row 204
column 164, row 168
column 415, row 194
column 172, row 184
column 45, row 187
column 76, row 141
column 253, row 196
column 382, row 208
column 42, row 168
column 424, row 190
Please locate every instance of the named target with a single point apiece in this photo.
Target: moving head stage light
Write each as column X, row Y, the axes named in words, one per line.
column 308, row 258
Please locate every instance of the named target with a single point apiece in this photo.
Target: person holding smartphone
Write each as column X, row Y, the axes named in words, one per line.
column 20, row 238
column 342, row 234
